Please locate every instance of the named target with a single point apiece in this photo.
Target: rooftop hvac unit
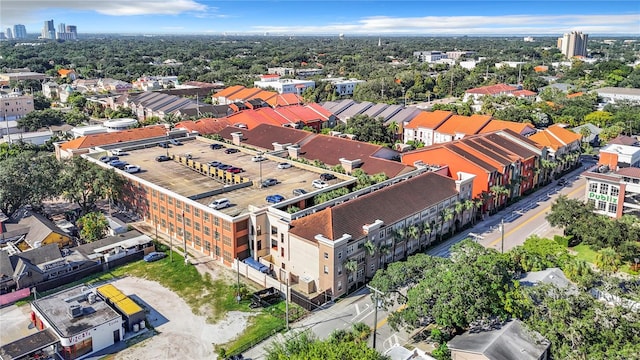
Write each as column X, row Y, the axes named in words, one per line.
column 307, row 285
column 75, row 311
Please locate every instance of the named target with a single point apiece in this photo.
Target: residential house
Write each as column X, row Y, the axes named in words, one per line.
column 524, row 129
column 50, row 90
column 624, row 140
column 29, row 230
column 512, row 340
column 67, row 74
column 592, row 132
column 490, row 90
column 15, row 105
column 283, row 86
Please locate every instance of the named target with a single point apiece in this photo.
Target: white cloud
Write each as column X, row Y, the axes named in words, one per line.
column 19, row 10
column 472, row 25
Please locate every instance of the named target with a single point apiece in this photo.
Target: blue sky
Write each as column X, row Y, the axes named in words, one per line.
column 304, row 17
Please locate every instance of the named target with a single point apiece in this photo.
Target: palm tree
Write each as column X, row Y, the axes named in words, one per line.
column 426, row 230
column 608, row 260
column 398, row 235
column 393, row 129
column 458, row 209
column 468, row 205
column 369, row 250
column 413, row 233
column 351, row 266
column 498, row 191
column 383, row 251
column 445, row 215
column 486, row 198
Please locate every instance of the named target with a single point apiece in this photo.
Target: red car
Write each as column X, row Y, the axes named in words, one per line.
column 235, row 170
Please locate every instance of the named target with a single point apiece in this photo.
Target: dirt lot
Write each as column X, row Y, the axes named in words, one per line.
column 181, row 334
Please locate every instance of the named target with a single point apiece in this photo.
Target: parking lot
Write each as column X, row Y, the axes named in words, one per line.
column 185, row 181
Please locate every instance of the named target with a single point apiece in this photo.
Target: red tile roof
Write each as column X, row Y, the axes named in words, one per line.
column 429, row 119
column 284, row 100
column 458, row 124
column 633, row 172
column 204, row 126
column 390, row 204
column 523, row 93
column 244, row 94
column 115, row 137
column 520, row 128
column 492, row 89
column 263, row 136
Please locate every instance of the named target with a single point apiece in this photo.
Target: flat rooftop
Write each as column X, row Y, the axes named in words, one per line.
column 55, row 308
column 187, row 182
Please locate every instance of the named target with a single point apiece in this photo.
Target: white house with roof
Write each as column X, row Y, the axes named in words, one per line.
column 283, row 86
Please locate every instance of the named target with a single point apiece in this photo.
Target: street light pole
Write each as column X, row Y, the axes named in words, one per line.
column 375, row 316
column 238, row 280
column 170, row 246
column 287, row 303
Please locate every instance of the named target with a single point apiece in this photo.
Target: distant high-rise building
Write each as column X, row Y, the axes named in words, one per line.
column 62, row 27
column 19, row 31
column 8, row 33
column 72, row 29
column 573, row 44
column 48, row 30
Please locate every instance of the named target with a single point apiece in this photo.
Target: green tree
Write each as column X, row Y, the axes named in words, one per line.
column 26, row 179
column 608, row 260
column 93, row 226
column 40, row 102
column 84, row 183
column 599, row 118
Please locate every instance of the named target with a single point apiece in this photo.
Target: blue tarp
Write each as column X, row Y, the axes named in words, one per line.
column 256, row 265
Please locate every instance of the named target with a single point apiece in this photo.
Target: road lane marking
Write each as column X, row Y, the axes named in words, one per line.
column 357, row 310
column 542, row 212
column 382, row 322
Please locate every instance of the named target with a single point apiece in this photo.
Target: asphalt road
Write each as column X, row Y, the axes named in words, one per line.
column 521, row 220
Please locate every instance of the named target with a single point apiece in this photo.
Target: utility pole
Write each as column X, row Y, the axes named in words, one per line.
column 375, row 316
column 170, row 246
column 502, row 231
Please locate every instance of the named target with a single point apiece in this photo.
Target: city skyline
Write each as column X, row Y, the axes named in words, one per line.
column 329, row 17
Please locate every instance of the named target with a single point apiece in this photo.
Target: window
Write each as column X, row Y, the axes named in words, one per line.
column 604, row 188
column 259, row 245
column 161, row 197
column 326, row 269
column 615, row 191
column 162, row 210
column 170, row 200
column 593, row 187
column 339, row 255
column 206, row 216
column 381, row 234
column 326, row 255
column 602, row 205
column 216, row 221
column 373, row 267
column 170, row 214
column 350, row 250
column 198, row 240
column 274, row 230
column 226, row 240
column 216, row 235
column 207, row 231
column 274, row 244
column 196, row 212
column 281, row 237
column 155, row 206
column 282, row 252
column 258, row 230
column 227, row 256
column 339, row 285
column 163, row 223
column 197, row 226
column 207, row 246
column 613, row 208
column 187, row 208
column 339, row 269
column 226, row 225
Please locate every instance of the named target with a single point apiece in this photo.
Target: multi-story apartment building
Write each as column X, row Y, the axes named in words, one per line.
column 283, row 86
column 48, row 30
column 15, row 105
column 573, row 44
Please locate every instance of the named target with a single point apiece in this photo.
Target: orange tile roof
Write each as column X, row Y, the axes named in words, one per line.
column 468, row 125
column 523, row 93
column 244, row 94
column 492, row 89
column 89, row 141
column 229, row 91
column 264, row 95
column 65, row 72
column 544, row 138
column 429, row 119
column 541, row 68
column 494, row 125
column 566, row 136
column 570, row 96
column 285, row 99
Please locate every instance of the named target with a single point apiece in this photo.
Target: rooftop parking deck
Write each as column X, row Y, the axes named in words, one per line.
column 185, row 178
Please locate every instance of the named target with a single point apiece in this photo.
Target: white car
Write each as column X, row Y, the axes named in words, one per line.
column 131, row 169
column 258, row 158
column 319, row 184
column 284, row 165
column 220, row 204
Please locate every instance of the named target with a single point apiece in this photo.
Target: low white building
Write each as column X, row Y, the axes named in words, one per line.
column 35, row 138
column 120, row 124
column 344, row 86
column 88, row 130
column 429, row 56
column 284, row 86
column 613, row 94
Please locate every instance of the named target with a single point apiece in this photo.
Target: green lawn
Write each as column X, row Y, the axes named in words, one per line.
column 584, row 252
